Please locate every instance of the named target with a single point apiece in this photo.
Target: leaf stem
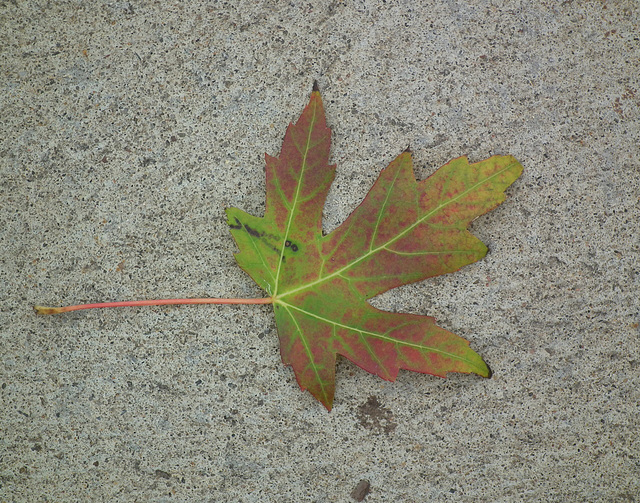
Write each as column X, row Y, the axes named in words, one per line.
column 158, row 302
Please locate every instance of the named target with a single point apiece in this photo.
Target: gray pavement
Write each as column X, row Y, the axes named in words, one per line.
column 128, row 127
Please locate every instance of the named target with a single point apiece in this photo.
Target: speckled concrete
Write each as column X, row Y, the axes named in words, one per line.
column 128, row 127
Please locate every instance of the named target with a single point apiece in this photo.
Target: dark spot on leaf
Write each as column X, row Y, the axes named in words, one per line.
column 237, row 225
column 373, row 416
column 361, row 490
column 294, row 248
column 287, row 243
column 252, row 232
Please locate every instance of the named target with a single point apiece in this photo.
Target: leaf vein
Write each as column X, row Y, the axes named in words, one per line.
column 383, row 337
column 307, row 350
column 294, row 205
column 400, row 234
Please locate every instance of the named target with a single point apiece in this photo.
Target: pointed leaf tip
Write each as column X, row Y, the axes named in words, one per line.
column 315, row 88
column 490, row 375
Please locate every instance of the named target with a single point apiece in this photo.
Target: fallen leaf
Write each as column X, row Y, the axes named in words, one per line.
column 404, row 231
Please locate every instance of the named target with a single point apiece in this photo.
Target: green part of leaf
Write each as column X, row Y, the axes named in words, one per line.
column 403, row 231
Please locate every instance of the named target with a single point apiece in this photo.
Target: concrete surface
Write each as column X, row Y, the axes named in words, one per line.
column 127, row 128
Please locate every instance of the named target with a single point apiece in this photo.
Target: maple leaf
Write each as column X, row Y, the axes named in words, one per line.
column 403, row 231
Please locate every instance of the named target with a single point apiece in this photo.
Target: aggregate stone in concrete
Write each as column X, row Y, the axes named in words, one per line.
column 128, row 127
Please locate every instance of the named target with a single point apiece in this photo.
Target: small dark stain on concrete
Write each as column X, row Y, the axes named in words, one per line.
column 162, row 474
column 361, row 490
column 373, row 416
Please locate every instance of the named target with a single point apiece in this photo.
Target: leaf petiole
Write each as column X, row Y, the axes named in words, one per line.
column 158, row 302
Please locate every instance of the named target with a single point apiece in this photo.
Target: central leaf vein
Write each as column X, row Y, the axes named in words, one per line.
column 294, row 205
